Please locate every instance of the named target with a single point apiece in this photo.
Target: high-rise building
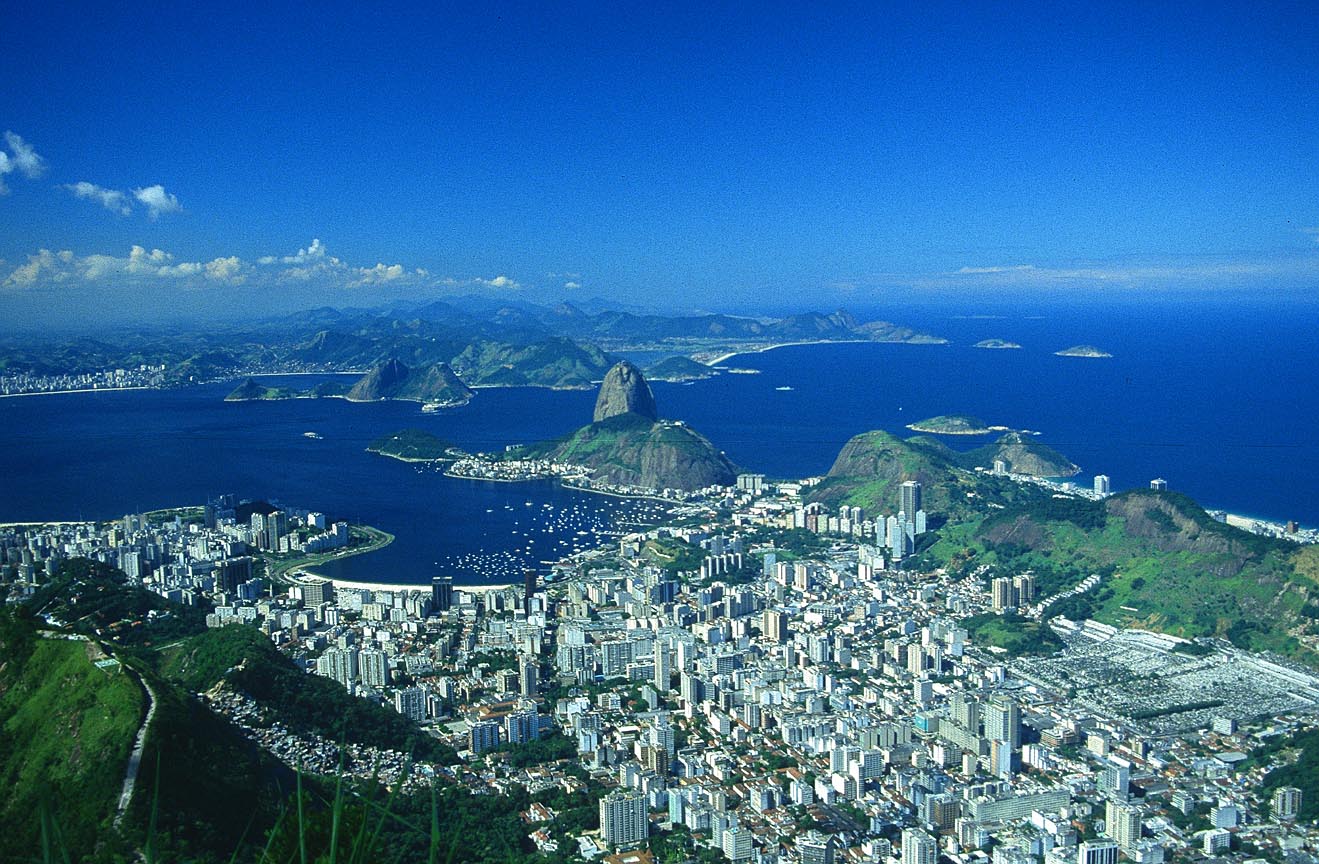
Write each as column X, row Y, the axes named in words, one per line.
column 339, row 664
column 911, row 498
column 442, row 593
column 918, row 847
column 775, row 625
column 411, row 703
column 1097, row 852
column 736, row 844
column 1122, row 824
column 1217, row 840
column 623, row 819
column 528, row 676
column 1103, row 485
column 484, row 736
column 1286, row 803
column 815, row 848
column 521, row 727
column 528, row 589
column 1115, row 778
column 1003, row 720
column 1002, row 595
column 663, row 677
column 1024, row 587
column 373, row 667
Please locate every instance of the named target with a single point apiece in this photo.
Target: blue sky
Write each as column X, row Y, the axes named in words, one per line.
column 714, row 157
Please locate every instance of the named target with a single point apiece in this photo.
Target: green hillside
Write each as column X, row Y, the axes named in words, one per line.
column 68, row 727
column 1166, row 564
column 244, row 659
column 632, row 450
column 412, row 445
column 871, row 468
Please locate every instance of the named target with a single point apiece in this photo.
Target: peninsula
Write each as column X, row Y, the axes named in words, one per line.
column 415, row 445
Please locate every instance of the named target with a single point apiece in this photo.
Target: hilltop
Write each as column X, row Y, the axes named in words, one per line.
column 1023, row 455
column 871, row 467
column 625, row 391
column 628, row 445
column 394, row 380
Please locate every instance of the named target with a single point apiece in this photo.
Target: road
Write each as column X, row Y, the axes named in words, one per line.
column 135, row 758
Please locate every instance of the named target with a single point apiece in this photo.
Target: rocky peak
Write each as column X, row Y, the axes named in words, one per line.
column 625, row 391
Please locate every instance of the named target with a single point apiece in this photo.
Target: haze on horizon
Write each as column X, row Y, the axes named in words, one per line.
column 163, row 163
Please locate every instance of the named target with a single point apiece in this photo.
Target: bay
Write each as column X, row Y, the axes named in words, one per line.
column 1221, row 400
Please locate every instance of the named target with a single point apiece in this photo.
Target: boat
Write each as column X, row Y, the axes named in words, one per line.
column 784, row 388
column 316, row 435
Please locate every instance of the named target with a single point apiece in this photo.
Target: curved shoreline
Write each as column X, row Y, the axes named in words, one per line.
column 722, row 358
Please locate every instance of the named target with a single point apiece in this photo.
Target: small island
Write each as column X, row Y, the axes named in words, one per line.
column 999, row 344
column 1083, row 351
column 415, row 445
column 954, row 424
column 678, row 369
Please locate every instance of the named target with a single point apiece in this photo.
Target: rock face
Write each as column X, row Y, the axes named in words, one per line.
column 628, row 445
column 377, row 383
column 625, row 391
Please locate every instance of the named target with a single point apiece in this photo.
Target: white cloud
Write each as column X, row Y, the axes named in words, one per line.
column 314, row 252
column 140, row 266
column 970, row 271
column 44, row 266
column 226, row 270
column 572, row 285
column 23, row 157
column 1313, row 232
column 110, row 199
column 312, row 265
column 378, row 274
column 157, row 200
column 500, row 283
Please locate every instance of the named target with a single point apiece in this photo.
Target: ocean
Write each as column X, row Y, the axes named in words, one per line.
column 1219, row 399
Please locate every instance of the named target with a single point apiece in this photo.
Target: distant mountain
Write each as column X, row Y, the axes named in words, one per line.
column 627, row 445
column 395, row 380
column 557, row 362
